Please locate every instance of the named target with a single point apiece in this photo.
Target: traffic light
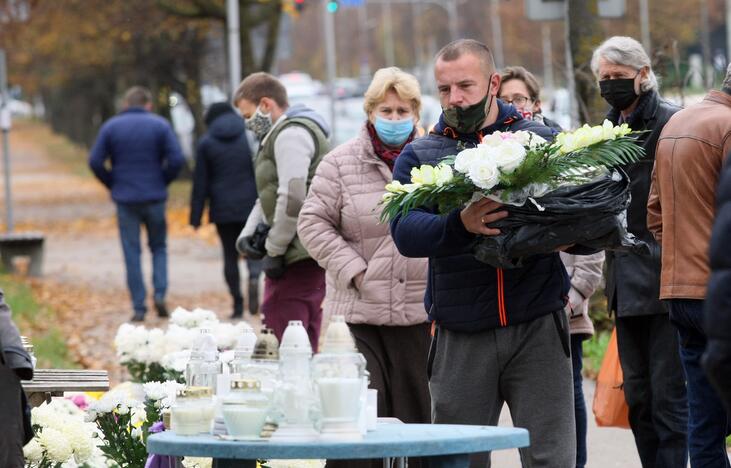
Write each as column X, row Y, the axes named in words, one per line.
column 299, row 5
column 332, row 6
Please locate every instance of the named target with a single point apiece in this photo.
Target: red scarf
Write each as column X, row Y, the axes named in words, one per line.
column 385, row 153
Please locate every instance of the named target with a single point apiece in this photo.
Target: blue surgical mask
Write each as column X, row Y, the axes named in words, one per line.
column 394, row 132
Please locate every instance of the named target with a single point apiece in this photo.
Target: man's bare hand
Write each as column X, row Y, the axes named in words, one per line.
column 478, row 215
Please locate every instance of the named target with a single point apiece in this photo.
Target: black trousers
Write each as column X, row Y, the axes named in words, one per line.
column 228, row 233
column 11, row 415
column 396, row 360
column 654, row 387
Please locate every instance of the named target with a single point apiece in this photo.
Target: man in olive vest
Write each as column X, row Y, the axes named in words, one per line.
column 292, row 141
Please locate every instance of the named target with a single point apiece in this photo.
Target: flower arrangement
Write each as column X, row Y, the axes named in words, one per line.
column 192, row 319
column 513, row 166
column 62, row 437
column 125, row 423
column 159, row 355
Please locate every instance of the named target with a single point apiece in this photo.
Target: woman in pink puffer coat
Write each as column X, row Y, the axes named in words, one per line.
column 380, row 292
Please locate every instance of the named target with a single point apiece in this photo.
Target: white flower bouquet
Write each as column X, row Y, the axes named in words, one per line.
column 141, row 350
column 62, row 437
column 126, row 423
column 159, row 355
column 549, row 189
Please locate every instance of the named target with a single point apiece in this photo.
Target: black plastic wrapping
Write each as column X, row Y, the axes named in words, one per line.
column 591, row 217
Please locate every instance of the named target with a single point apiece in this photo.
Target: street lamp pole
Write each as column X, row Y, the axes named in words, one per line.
column 5, row 125
column 451, row 8
column 330, row 59
column 234, row 44
column 388, row 33
column 645, row 25
column 497, row 33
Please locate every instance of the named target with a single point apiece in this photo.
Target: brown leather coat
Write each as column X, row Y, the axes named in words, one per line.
column 681, row 206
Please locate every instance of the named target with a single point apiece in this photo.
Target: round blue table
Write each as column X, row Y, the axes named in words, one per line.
column 446, row 446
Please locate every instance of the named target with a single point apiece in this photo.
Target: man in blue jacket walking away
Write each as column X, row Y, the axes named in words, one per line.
column 500, row 336
column 144, row 157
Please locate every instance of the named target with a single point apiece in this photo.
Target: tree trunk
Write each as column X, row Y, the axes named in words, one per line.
column 584, row 34
column 273, row 23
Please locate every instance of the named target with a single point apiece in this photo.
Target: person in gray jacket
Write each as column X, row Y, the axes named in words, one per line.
column 15, row 365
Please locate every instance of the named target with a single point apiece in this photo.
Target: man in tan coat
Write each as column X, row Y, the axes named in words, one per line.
column 680, row 214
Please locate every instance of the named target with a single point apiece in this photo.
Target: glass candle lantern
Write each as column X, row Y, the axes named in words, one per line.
column 294, row 395
column 192, row 412
column 339, row 376
column 204, row 365
column 242, row 352
column 245, row 409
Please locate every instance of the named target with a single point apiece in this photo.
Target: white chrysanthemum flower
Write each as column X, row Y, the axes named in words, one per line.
column 178, row 338
column 136, row 433
column 176, row 360
column 107, row 403
column 200, row 317
column 154, row 390
column 33, row 452
column 79, row 436
column 509, row 155
column 225, row 335
column 484, row 173
column 46, row 416
column 90, row 415
column 129, row 339
column 57, row 447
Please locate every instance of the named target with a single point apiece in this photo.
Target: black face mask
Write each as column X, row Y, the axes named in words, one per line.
column 620, row 93
column 469, row 119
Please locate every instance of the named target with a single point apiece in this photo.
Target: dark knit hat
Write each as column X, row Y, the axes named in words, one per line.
column 217, row 109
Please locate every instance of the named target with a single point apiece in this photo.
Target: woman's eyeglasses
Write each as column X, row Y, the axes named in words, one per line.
column 517, row 99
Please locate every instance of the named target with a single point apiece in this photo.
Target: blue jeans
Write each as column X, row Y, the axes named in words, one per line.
column 707, row 418
column 130, row 217
column 577, row 355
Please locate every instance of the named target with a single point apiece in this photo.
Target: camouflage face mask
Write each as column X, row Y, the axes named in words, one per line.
column 259, row 123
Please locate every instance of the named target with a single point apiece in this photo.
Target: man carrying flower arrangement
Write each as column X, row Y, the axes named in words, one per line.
column 499, row 335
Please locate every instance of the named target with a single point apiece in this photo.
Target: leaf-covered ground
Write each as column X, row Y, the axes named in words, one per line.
column 84, row 277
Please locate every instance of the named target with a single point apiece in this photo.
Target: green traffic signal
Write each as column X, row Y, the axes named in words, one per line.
column 332, row 6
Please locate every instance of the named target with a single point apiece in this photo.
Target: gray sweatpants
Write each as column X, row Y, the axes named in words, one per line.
column 524, row 365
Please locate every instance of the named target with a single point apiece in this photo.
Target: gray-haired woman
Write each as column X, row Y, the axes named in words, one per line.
column 654, row 384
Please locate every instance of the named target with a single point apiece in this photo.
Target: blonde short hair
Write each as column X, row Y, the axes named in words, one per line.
column 393, row 79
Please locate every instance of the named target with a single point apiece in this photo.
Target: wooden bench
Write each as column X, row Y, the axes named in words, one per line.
column 22, row 244
column 48, row 383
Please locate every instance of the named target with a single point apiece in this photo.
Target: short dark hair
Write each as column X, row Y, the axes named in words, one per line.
column 456, row 49
column 137, row 96
column 259, row 85
column 520, row 73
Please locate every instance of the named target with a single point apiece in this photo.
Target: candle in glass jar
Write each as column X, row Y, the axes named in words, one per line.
column 191, row 419
column 340, row 397
column 244, row 422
